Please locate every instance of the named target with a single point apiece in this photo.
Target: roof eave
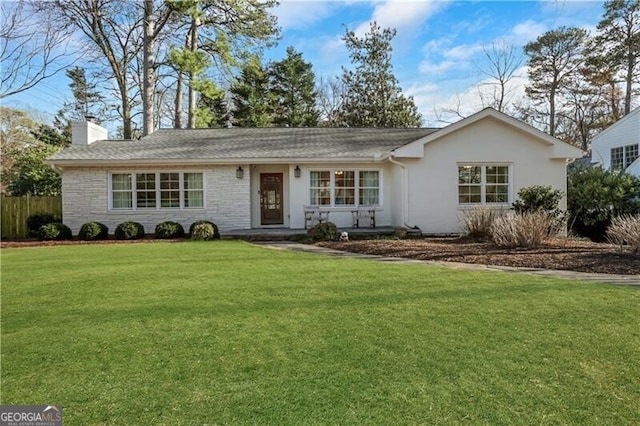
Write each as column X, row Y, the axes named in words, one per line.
column 207, row 161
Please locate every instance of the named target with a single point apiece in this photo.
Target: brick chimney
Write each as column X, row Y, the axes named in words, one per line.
column 87, row 132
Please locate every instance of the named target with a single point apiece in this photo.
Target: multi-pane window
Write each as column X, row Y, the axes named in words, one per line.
column 170, row 190
column 146, row 190
column 193, row 190
column 617, row 158
column 121, row 193
column 483, row 184
column 156, row 190
column 344, row 187
column 469, row 184
column 497, row 184
column 623, row 156
column 320, row 188
column 369, row 188
column 630, row 154
column 345, row 183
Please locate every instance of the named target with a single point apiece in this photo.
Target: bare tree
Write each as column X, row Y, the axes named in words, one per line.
column 502, row 64
column 330, row 93
column 29, row 54
column 113, row 29
column 452, row 113
column 155, row 20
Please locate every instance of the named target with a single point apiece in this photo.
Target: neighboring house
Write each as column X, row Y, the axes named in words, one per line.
column 618, row 146
column 245, row 178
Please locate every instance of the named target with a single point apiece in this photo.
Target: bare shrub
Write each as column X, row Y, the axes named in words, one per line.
column 476, row 222
column 625, row 231
column 528, row 230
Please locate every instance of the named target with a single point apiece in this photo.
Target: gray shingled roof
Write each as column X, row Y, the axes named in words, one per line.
column 248, row 143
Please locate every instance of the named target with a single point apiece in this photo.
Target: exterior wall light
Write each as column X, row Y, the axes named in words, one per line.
column 239, row 172
column 296, row 171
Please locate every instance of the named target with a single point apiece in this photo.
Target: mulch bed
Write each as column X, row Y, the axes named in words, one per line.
column 563, row 254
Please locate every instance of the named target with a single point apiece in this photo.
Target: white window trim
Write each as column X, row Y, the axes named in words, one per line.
column 134, row 191
column 483, row 185
column 625, row 151
column 332, row 187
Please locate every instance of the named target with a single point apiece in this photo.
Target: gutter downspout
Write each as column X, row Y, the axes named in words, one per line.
column 405, row 192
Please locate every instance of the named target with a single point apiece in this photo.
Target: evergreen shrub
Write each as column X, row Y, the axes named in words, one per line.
column 36, row 220
column 169, row 229
column 216, row 233
column 326, row 231
column 129, row 230
column 54, row 231
column 92, row 231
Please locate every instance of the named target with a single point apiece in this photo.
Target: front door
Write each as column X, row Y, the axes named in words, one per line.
column 271, row 209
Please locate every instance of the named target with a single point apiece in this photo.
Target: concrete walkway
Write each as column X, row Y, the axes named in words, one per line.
column 629, row 280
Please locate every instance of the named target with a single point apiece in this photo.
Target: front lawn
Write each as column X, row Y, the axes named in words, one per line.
column 227, row 333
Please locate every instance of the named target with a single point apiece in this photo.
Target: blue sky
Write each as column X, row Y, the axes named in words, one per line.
column 437, row 53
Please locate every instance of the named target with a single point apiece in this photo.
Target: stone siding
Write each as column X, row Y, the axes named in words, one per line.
column 85, row 197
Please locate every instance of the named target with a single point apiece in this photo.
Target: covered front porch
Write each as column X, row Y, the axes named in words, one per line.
column 298, row 195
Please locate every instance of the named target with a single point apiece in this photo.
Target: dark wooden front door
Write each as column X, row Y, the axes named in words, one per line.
column 271, row 209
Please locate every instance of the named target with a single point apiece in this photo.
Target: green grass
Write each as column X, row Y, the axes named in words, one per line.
column 228, row 333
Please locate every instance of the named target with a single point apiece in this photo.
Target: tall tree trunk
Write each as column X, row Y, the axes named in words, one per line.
column 193, row 45
column 177, row 121
column 125, row 103
column 148, row 84
column 631, row 62
column 552, row 112
column 127, row 131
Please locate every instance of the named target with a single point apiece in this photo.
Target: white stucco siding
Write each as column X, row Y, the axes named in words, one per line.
column 623, row 133
column 85, row 197
column 433, row 179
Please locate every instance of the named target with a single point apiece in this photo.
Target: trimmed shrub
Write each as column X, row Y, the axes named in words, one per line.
column 54, row 231
column 129, row 230
column 92, row 231
column 216, row 234
column 538, row 198
column 326, row 231
column 36, row 220
column 528, row 230
column 625, row 231
column 595, row 196
column 169, row 229
column 203, row 231
column 477, row 222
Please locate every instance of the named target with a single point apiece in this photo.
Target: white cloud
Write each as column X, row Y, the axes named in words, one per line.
column 428, row 67
column 527, row 31
column 436, row 45
column 476, row 97
column 450, row 58
column 463, row 51
column 333, row 51
column 297, row 14
column 403, row 15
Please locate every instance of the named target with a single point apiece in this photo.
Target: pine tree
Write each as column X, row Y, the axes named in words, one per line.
column 251, row 96
column 554, row 58
column 373, row 97
column 618, row 43
column 292, row 86
column 87, row 102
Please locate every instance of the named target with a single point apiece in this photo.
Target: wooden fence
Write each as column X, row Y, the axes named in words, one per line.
column 14, row 212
